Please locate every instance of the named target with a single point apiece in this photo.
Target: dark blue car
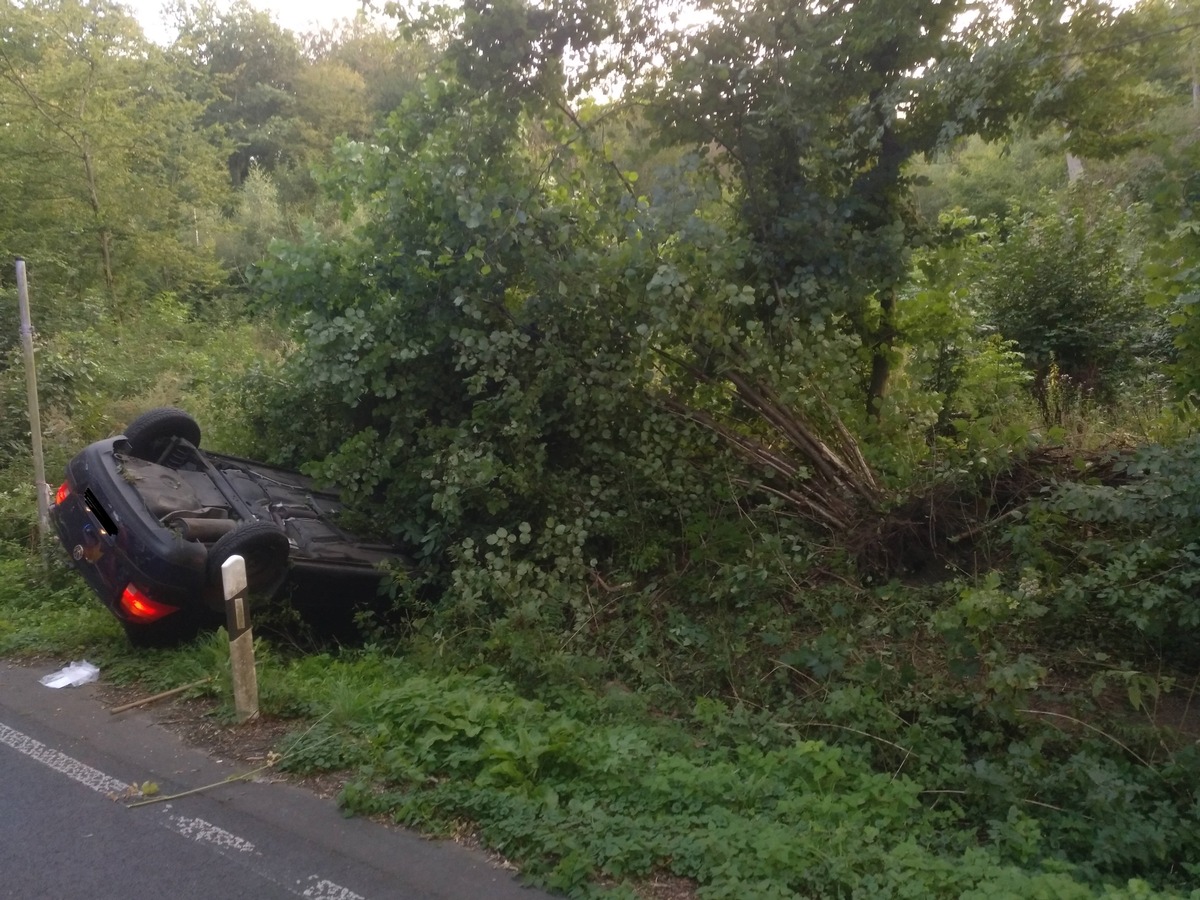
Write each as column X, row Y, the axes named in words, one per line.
column 148, row 520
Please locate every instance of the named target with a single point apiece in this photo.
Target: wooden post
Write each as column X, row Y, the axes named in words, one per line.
column 241, row 638
column 35, row 416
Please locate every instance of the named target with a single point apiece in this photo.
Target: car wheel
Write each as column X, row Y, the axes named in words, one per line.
column 263, row 546
column 149, row 432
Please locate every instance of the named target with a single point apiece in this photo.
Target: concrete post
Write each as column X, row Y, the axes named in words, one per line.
column 241, row 638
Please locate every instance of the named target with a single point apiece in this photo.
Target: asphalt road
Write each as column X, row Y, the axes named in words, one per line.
column 67, row 831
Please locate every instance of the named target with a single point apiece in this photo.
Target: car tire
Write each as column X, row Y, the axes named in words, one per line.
column 263, row 546
column 149, row 432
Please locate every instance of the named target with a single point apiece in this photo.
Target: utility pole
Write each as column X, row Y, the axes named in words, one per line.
column 35, row 416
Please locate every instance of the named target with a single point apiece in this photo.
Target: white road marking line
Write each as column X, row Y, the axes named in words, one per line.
column 327, row 890
column 208, row 833
column 60, row 762
column 196, row 829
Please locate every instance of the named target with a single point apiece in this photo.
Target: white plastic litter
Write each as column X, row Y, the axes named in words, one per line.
column 74, row 675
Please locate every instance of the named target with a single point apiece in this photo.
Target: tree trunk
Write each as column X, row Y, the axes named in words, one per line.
column 881, row 352
column 89, row 171
column 102, row 229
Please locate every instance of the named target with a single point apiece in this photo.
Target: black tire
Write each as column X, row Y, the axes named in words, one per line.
column 263, row 546
column 149, row 432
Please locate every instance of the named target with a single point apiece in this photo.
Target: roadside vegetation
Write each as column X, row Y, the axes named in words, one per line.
column 790, row 416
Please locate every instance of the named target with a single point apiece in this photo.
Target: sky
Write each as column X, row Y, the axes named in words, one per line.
column 298, row 15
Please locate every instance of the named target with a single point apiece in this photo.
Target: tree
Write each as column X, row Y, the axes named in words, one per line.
column 244, row 238
column 815, row 110
column 476, row 328
column 1065, row 286
column 244, row 71
column 989, row 180
column 390, row 64
column 753, row 302
column 106, row 164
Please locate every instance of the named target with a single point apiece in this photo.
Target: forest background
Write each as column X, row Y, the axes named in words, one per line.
column 789, row 410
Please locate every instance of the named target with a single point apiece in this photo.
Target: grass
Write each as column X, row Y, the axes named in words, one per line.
column 44, row 613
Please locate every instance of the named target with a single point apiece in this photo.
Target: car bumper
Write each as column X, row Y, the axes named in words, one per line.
column 115, row 542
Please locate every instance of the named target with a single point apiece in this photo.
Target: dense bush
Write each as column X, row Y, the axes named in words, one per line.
column 1066, row 287
column 1125, row 555
column 468, row 367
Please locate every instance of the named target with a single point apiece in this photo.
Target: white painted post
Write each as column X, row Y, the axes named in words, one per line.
column 241, row 638
column 35, row 417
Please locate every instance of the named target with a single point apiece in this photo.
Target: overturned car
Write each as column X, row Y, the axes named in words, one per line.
column 148, row 519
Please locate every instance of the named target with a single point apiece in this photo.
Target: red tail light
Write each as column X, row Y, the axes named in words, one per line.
column 62, row 494
column 141, row 608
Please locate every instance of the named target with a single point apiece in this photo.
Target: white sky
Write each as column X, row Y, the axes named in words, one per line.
column 302, row 15
column 298, row 15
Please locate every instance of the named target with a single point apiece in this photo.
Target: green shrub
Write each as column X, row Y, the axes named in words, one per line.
column 1066, row 287
column 592, row 788
column 1125, row 556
